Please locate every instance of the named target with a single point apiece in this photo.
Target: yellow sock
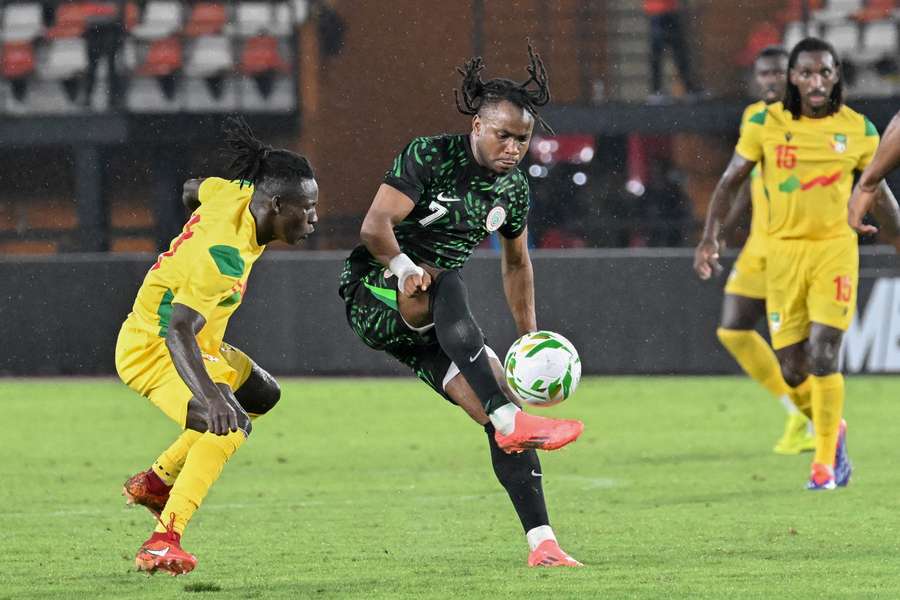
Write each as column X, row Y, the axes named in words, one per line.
column 204, row 463
column 827, row 407
column 801, row 396
column 170, row 462
column 756, row 358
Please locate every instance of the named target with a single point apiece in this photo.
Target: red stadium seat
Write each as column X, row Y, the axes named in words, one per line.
column 17, row 61
column 261, row 55
column 71, row 20
column 207, row 18
column 163, row 58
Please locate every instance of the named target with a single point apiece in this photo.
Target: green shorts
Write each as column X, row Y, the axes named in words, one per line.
column 371, row 303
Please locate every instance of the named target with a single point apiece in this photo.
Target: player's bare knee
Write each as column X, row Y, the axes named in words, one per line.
column 260, row 393
column 823, row 358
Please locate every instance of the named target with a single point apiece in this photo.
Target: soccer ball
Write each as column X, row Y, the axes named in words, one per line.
column 542, row 368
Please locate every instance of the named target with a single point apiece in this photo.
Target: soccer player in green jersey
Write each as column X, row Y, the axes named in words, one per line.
column 404, row 294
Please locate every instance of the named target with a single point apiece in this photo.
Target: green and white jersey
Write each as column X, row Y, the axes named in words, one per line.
column 458, row 203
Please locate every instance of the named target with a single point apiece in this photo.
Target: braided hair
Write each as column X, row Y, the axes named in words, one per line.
column 476, row 93
column 258, row 164
column 792, row 101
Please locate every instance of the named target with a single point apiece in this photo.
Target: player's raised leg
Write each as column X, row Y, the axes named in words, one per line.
column 519, row 473
column 462, row 340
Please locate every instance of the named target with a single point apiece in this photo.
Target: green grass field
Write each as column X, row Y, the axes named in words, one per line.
column 379, row 489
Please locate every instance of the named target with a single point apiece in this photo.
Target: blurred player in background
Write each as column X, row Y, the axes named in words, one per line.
column 744, row 305
column 886, row 159
column 810, row 146
column 404, row 294
column 171, row 349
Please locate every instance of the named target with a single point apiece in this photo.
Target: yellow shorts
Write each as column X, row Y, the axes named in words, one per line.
column 810, row 282
column 144, row 364
column 748, row 276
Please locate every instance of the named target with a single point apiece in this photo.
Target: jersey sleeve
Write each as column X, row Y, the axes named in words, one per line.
column 414, row 167
column 214, row 272
column 519, row 204
column 749, row 145
column 870, row 145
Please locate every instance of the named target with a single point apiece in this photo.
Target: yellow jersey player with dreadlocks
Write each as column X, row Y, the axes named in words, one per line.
column 171, row 347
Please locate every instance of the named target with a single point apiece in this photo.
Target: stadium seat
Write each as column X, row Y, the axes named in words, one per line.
column 18, row 60
column 844, row 37
column 254, row 18
column 876, row 10
column 837, row 11
column 22, row 22
column 207, row 18
column 71, row 20
column 880, row 40
column 65, row 59
column 211, row 56
column 16, row 65
column 163, row 58
column 796, row 31
column 261, row 55
column 161, row 19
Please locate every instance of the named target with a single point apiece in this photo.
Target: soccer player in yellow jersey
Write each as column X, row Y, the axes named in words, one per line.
column 171, row 350
column 809, row 145
column 744, row 304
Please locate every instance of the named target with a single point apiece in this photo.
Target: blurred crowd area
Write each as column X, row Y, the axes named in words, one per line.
column 354, row 81
column 148, row 56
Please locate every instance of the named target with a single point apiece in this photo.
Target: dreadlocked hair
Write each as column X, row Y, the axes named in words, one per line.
column 476, row 93
column 792, row 101
column 258, row 164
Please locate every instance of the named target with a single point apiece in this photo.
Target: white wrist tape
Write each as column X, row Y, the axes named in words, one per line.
column 403, row 267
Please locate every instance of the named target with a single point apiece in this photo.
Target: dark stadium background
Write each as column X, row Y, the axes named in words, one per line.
column 90, row 185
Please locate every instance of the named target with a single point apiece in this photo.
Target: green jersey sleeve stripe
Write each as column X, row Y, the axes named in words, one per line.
column 870, row 127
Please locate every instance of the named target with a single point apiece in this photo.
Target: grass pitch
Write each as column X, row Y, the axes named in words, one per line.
column 379, row 489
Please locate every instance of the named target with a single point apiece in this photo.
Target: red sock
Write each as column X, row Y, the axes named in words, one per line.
column 155, row 485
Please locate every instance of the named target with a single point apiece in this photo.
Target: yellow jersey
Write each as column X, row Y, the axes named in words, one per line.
column 759, row 218
column 808, row 167
column 205, row 268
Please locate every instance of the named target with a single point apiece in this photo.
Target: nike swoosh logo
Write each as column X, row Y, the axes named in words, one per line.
column 477, row 354
column 162, row 552
column 444, row 198
column 534, row 474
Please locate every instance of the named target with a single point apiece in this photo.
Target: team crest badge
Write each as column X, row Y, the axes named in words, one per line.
column 775, row 321
column 495, row 218
column 788, row 136
column 839, row 144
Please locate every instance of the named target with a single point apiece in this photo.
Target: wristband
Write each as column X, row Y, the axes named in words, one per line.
column 403, row 267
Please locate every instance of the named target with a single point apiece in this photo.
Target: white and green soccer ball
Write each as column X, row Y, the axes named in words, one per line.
column 542, row 368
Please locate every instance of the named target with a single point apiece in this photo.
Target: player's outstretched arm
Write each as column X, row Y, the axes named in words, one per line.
column 190, row 194
column 181, row 341
column 738, row 208
column 870, row 190
column 706, row 255
column 389, row 207
column 518, row 281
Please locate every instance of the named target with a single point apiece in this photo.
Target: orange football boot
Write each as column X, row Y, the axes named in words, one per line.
column 540, row 433
column 163, row 552
column 549, row 554
column 142, row 489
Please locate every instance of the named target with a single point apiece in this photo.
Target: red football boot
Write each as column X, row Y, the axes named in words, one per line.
column 148, row 490
column 538, row 432
column 163, row 552
column 549, row 554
